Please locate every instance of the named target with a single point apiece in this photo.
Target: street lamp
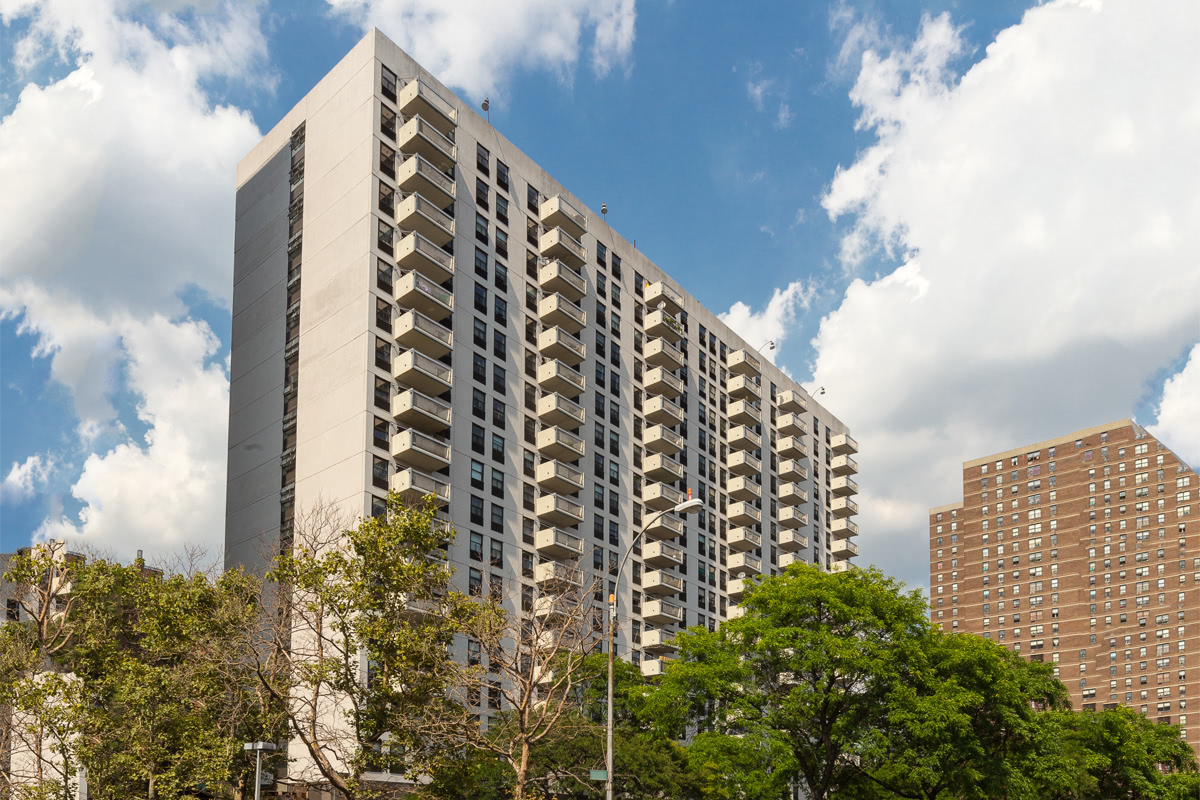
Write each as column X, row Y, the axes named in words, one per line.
column 686, row 507
column 257, row 748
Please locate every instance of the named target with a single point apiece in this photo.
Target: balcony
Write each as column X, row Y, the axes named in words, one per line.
column 742, row 463
column 659, row 295
column 415, row 213
column 662, row 497
column 659, row 381
column 557, row 243
column 660, row 439
column 660, row 410
column 744, row 564
column 839, row 566
column 661, row 323
column 659, row 641
column 791, row 447
column 742, row 487
column 555, row 574
column 791, row 425
column 742, row 412
column 415, row 174
column 554, row 510
column 555, row 376
column 737, row 612
column 843, row 507
column 843, row 548
column 792, row 469
column 662, row 612
column 417, row 292
column 744, row 362
column 555, row 409
column 558, row 343
column 843, row 465
column 419, row 97
column 422, row 372
column 550, row 607
column 791, row 401
column 791, row 541
column 662, row 554
column 665, row 527
column 555, row 543
column 792, row 517
column 420, row 411
column 558, row 212
column 742, row 387
column 557, row 309
column 555, row 476
column 660, row 582
column 653, row 667
column 558, row 444
column 736, row 588
column 791, row 494
column 414, row 486
column 418, row 136
column 558, row 277
column 659, row 353
column 417, row 252
column 660, row 467
column 743, row 438
column 787, row 559
column 843, row 444
column 842, row 486
column 742, row 539
column 414, row 330
column 415, row 449
column 843, row 528
column 743, row 514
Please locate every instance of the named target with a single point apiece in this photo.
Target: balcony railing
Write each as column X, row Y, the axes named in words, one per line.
column 843, row 444
column 559, row 510
column 744, row 539
column 421, row 411
column 555, row 376
column 414, row 290
column 558, row 277
column 558, row 543
column 414, row 329
column 557, row 443
column 414, row 485
column 744, row 362
column 659, row 294
column 417, row 252
column 660, row 410
column 417, row 96
column 660, row 322
column 558, row 211
column 557, row 243
column 559, row 477
column 791, row 400
column 555, row 409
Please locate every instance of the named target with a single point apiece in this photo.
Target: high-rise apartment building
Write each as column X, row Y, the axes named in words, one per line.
column 1082, row 551
column 420, row 307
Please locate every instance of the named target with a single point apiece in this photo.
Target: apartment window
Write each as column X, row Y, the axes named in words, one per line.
column 498, row 413
column 481, row 228
column 532, row 199
column 481, row 263
column 481, row 297
column 476, row 552
column 501, row 279
column 475, row 582
column 502, row 175
column 497, row 521
column 499, row 345
column 384, row 238
column 479, row 327
column 379, row 472
column 498, row 448
column 497, row 483
column 387, row 122
column 382, row 433
column 481, row 193
column 477, row 438
column 387, row 160
column 383, row 394
column 476, row 474
column 616, row 267
column 502, row 209
column 502, row 242
column 383, row 353
column 498, row 377
column 478, row 403
column 479, row 368
column 387, row 199
column 500, row 311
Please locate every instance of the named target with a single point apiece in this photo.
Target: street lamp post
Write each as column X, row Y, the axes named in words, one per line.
column 257, row 748
column 686, row 507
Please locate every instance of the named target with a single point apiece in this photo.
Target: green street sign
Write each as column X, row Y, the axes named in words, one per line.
column 599, row 775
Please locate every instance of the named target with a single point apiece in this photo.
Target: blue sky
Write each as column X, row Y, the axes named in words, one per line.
column 867, row 183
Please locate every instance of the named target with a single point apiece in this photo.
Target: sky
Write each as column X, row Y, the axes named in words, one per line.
column 974, row 225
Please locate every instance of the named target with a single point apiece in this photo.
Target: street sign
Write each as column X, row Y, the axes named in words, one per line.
column 599, row 775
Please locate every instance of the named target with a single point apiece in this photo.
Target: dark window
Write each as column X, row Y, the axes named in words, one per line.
column 498, row 376
column 479, row 368
column 500, row 312
column 475, row 582
column 481, row 193
column 481, row 263
column 498, row 417
column 387, row 199
column 383, row 315
column 478, row 403
column 497, row 521
column 479, row 331
column 385, row 236
column 497, row 483
column 387, row 160
column 502, row 209
column 481, row 228
column 388, row 83
column 476, row 538
column 502, row 175
column 383, row 394
column 387, row 122
column 482, row 159
column 501, row 242
column 532, row 199
column 379, row 473
column 498, row 448
column 499, row 343
column 477, row 438
column 481, row 297
column 601, row 254
column 501, row 280
column 383, row 353
column 477, row 474
column 382, row 433
column 616, row 267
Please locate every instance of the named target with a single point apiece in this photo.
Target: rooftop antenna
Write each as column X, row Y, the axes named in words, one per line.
column 486, row 104
column 604, row 212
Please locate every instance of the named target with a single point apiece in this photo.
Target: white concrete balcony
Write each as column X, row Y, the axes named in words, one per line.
column 736, row 588
column 791, row 425
column 792, row 540
column 743, row 514
column 415, row 449
column 843, row 444
column 660, row 410
column 661, row 467
column 418, row 136
column 557, row 309
column 743, row 387
column 787, row 559
column 792, row 469
column 743, row 438
column 737, row 612
column 666, row 526
column 420, row 411
column 557, row 575
column 661, row 322
column 660, row 439
column 414, row 330
column 415, row 213
column 744, row 362
column 555, row 476
column 659, row 381
column 662, row 497
column 416, row 174
column 742, row 487
column 555, row 409
column 414, row 486
column 422, row 372
column 743, row 412
column 792, row 494
column 558, row 277
column 653, row 667
column 843, row 465
column 662, row 612
column 662, row 554
column 554, row 510
column 659, row 295
column 416, row 252
column 558, row 444
column 742, row 539
column 843, row 486
column 419, row 97
column 792, row 517
column 839, row 565
column 555, row 543
column 744, row 564
column 555, row 376
column 557, row 243
column 843, row 548
column 791, row 401
column 662, row 583
column 843, row 528
column 659, row 641
column 562, row 345
column 740, row 462
column 660, row 353
column 551, row 607
column 791, row 447
column 558, row 212
column 419, row 293
column 843, row 507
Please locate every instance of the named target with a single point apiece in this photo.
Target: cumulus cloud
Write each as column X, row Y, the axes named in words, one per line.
column 1045, row 214
column 24, row 478
column 783, row 118
column 476, row 44
column 1178, row 411
column 771, row 324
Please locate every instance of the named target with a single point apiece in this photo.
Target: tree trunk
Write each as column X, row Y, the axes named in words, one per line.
column 522, row 773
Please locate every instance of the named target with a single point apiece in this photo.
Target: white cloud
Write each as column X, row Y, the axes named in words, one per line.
column 799, row 218
column 757, row 91
column 1178, row 411
column 1046, row 214
column 772, row 323
column 25, row 478
column 476, row 44
column 783, row 118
